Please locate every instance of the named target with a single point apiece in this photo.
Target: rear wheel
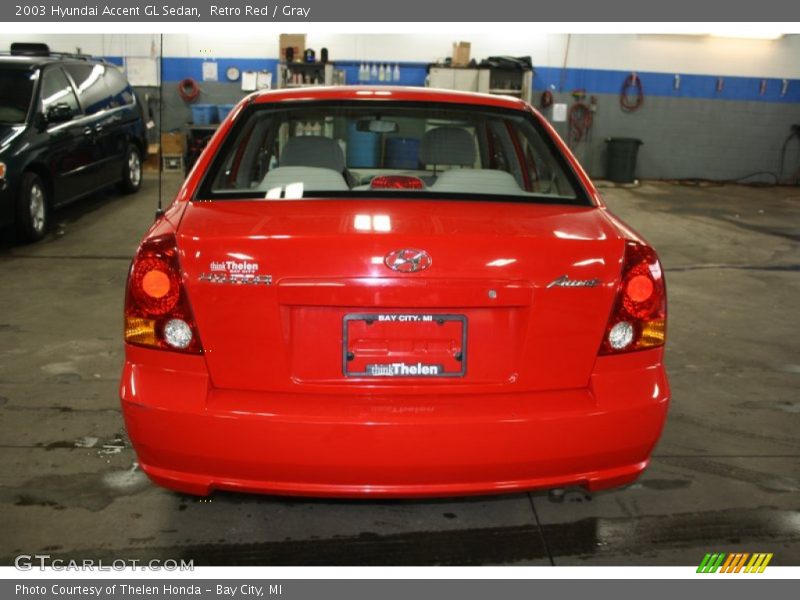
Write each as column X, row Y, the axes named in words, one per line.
column 131, row 171
column 32, row 208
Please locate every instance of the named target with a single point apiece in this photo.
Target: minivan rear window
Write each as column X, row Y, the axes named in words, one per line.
column 378, row 149
column 118, row 88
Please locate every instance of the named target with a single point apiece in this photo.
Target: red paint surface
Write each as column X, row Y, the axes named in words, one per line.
column 268, row 406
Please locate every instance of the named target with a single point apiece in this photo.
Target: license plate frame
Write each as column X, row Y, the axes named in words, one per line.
column 375, row 317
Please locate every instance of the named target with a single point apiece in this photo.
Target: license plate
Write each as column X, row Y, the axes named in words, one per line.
column 404, row 345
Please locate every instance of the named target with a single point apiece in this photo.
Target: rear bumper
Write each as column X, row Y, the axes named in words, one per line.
column 194, row 438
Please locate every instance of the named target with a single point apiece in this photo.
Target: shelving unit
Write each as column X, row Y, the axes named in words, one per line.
column 309, row 74
column 509, row 82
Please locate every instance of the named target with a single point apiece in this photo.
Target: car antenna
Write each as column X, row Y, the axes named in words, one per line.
column 160, row 209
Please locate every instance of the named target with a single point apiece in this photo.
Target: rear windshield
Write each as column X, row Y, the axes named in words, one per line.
column 16, row 89
column 380, row 149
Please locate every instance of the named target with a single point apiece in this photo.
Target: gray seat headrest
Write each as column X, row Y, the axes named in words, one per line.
column 313, row 151
column 447, row 146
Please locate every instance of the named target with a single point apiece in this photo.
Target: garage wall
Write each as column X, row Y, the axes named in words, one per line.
column 696, row 54
column 687, row 138
column 692, row 131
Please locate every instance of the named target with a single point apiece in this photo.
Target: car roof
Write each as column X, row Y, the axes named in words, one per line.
column 384, row 92
column 31, row 61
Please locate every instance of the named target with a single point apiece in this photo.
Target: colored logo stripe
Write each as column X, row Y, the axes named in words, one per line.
column 710, row 563
column 735, row 562
column 758, row 563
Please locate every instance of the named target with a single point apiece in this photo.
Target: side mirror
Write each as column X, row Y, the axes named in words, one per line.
column 58, row 113
column 39, row 121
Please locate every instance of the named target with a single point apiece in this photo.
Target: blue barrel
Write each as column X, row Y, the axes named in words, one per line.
column 402, row 153
column 223, row 110
column 204, row 114
column 363, row 148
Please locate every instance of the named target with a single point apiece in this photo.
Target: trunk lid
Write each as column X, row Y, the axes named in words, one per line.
column 282, row 290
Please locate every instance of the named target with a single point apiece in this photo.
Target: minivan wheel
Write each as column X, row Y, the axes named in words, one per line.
column 32, row 208
column 131, row 171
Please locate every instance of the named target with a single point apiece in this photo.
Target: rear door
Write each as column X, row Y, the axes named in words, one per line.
column 117, row 124
column 70, row 148
column 103, row 120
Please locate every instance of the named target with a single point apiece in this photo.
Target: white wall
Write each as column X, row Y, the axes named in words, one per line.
column 699, row 54
column 97, row 44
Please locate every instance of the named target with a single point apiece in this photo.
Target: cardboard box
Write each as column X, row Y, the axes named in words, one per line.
column 173, row 143
column 297, row 41
column 153, row 157
column 461, row 54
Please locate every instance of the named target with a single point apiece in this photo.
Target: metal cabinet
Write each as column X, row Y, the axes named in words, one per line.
column 484, row 80
column 299, row 74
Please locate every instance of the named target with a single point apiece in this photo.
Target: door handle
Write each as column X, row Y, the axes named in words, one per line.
column 88, row 131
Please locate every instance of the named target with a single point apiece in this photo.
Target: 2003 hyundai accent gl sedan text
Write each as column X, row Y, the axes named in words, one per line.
column 391, row 292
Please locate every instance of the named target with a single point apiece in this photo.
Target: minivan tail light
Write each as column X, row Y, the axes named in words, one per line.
column 157, row 310
column 639, row 317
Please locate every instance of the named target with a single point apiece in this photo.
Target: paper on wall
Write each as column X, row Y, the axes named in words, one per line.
column 249, row 83
column 142, row 71
column 264, row 80
column 210, row 71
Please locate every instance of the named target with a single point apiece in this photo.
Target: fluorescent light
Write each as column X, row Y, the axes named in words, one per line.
column 748, row 33
column 362, row 223
column 381, row 223
column 501, row 262
column 372, row 223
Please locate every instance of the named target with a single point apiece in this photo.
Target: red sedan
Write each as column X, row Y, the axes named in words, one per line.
column 392, row 292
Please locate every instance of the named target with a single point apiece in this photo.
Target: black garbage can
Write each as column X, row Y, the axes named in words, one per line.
column 621, row 159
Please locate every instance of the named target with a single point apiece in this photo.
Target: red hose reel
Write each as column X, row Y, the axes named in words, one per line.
column 188, row 90
column 632, row 95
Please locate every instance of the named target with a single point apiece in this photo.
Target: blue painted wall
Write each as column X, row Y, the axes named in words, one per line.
column 593, row 81
column 600, row 81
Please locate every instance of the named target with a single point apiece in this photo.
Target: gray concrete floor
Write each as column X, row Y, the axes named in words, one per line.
column 725, row 476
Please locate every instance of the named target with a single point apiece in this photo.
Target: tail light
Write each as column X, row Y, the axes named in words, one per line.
column 639, row 318
column 396, row 182
column 157, row 311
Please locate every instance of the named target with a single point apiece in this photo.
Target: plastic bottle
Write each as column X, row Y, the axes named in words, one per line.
column 396, row 74
column 382, row 74
column 373, row 73
column 362, row 72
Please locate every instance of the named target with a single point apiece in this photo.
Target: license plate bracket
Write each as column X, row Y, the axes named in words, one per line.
column 401, row 345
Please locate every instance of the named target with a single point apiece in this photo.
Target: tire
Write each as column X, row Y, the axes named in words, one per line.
column 131, row 179
column 33, row 210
